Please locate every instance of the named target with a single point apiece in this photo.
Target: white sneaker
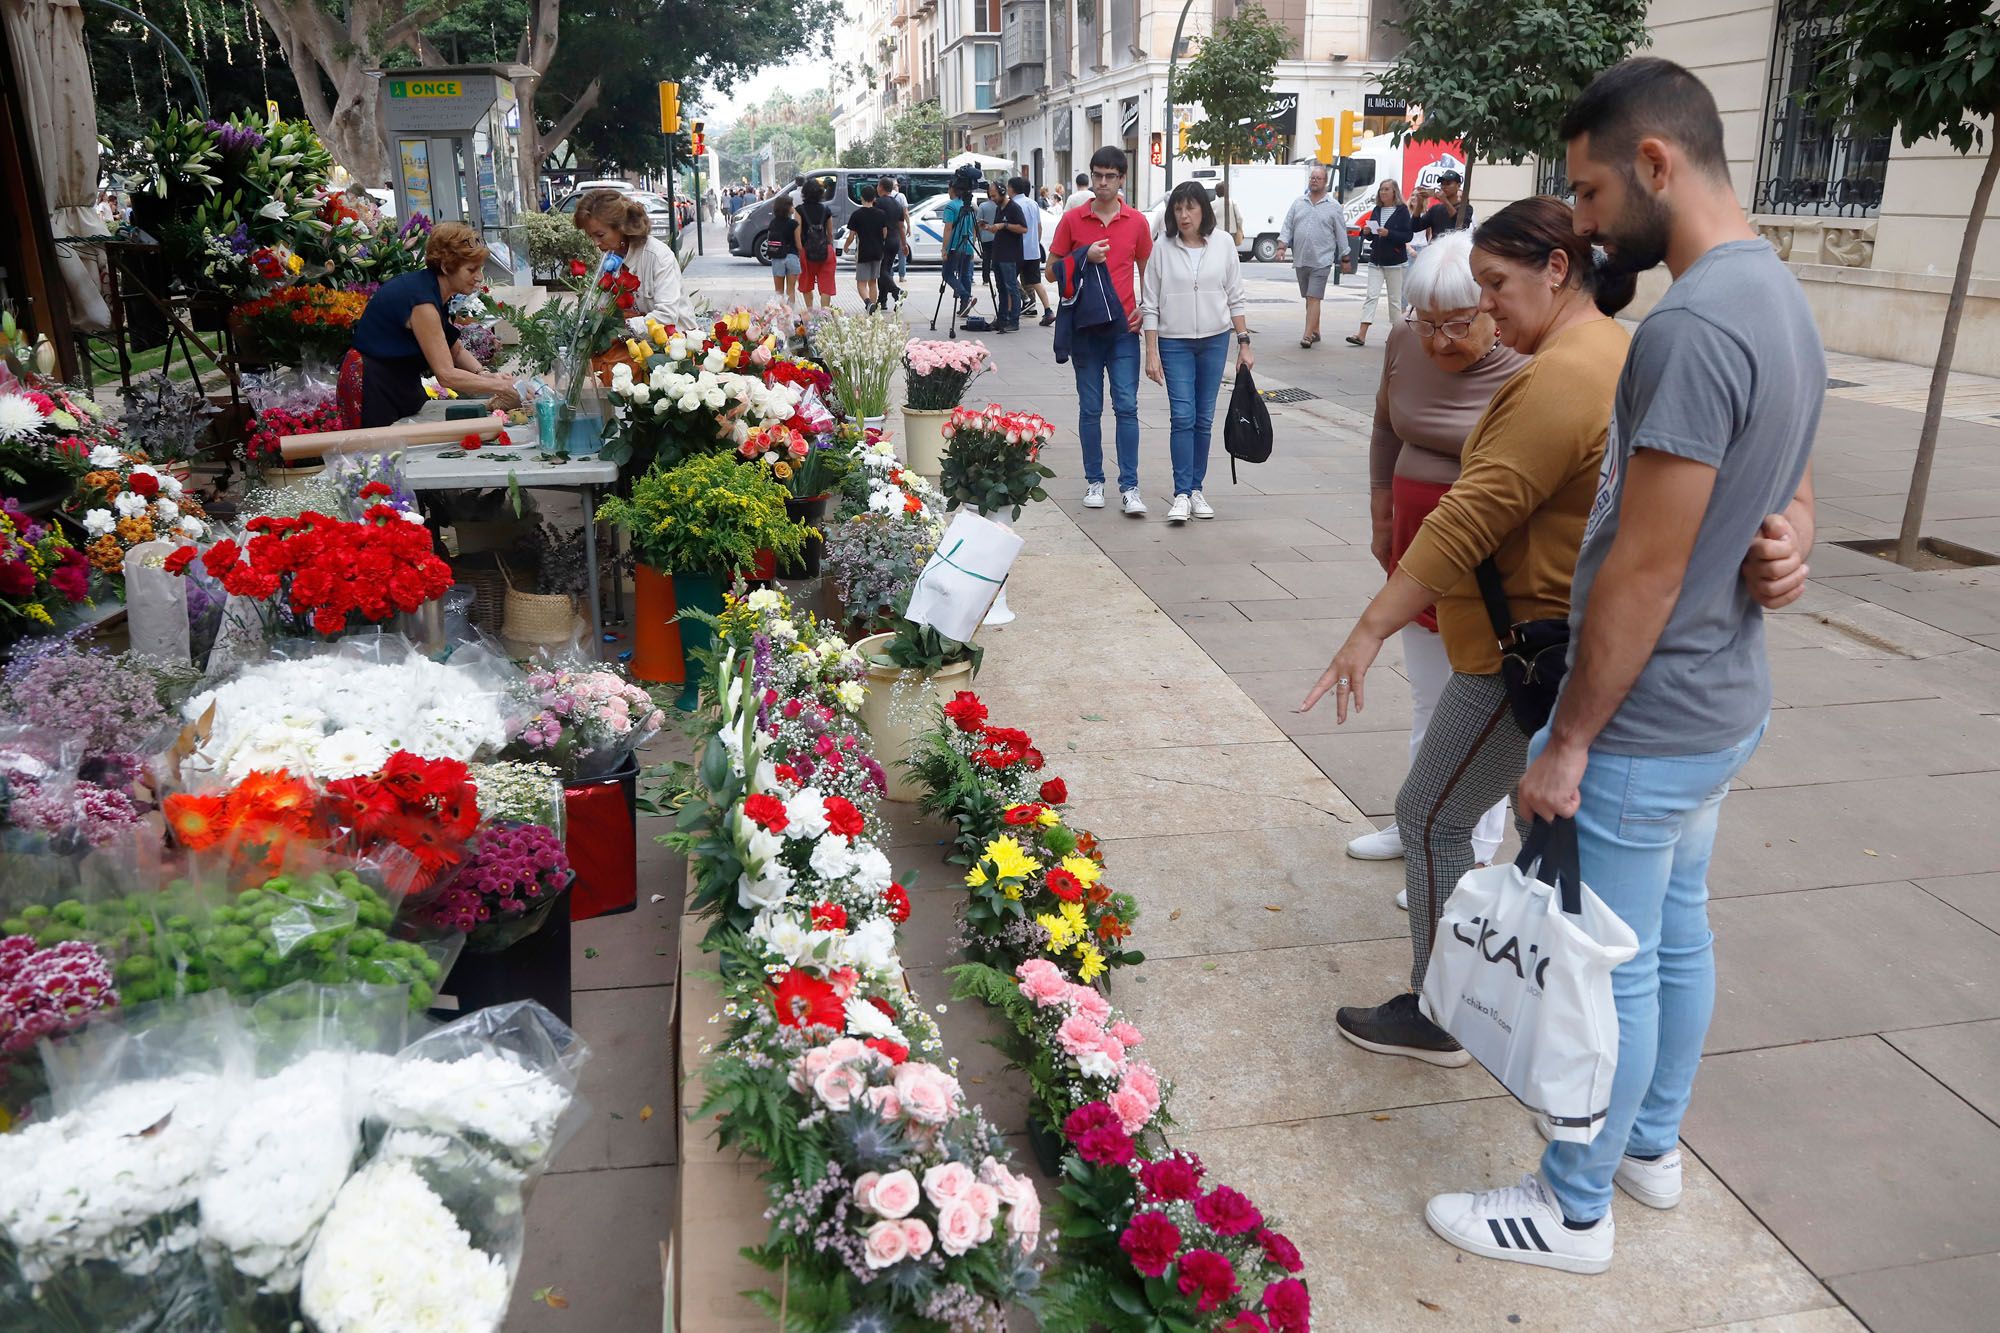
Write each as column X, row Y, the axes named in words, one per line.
column 1093, row 495
column 1523, row 1225
column 1202, row 508
column 1403, row 899
column 1657, row 1183
column 1178, row 511
column 1384, row 844
column 1135, row 503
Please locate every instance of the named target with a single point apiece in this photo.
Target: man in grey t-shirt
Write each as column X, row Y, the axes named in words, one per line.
column 1668, row 689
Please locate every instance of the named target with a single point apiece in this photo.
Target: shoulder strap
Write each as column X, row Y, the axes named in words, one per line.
column 1494, row 594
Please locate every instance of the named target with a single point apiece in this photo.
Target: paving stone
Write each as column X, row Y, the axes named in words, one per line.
column 1202, row 789
column 1841, row 962
column 1965, row 1057
column 1363, row 764
column 1271, row 645
column 1958, row 609
column 1925, row 1298
column 1864, row 832
column 1350, row 1191
column 1194, row 613
column 1344, row 611
column 630, row 1068
column 1832, row 1319
column 1808, row 677
column 1796, row 1132
column 1347, row 581
column 1873, row 740
column 1346, row 551
column 1279, row 693
column 636, row 948
column 1978, row 896
column 1232, row 1033
column 1209, row 583
column 594, row 1237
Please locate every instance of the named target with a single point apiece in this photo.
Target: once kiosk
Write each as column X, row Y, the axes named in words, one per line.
column 454, row 135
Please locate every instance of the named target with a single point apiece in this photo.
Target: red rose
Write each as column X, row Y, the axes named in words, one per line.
column 1054, row 792
column 1151, row 1241
column 1210, row 1274
column 1289, row 1305
column 624, row 301
column 577, row 268
column 898, row 899
column 830, row 916
column 471, row 442
column 896, row 1051
column 843, row 818
column 1172, row 1178
column 1227, row 1213
column 1033, row 759
column 143, row 483
column 766, row 811
column 1281, row 1251
column 178, row 562
column 966, row 711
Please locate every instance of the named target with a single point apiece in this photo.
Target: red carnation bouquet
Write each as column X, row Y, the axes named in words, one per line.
column 318, row 574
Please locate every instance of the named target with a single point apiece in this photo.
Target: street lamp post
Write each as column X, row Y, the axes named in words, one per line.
column 1173, row 63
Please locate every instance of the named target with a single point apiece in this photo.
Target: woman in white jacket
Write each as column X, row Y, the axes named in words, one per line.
column 1191, row 297
column 617, row 224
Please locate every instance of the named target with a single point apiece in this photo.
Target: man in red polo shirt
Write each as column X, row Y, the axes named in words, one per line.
column 1119, row 237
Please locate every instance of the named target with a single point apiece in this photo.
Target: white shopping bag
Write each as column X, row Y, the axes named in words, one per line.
column 964, row 575
column 1520, row 973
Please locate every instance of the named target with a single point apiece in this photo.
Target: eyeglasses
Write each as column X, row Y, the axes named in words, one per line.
column 1453, row 329
column 1107, row 175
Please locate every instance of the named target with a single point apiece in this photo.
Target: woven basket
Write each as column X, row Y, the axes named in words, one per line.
column 533, row 617
column 489, row 590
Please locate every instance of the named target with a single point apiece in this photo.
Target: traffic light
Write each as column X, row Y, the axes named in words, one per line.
column 1323, row 146
column 670, row 108
column 1350, row 133
column 700, row 144
column 1180, row 139
column 1159, row 154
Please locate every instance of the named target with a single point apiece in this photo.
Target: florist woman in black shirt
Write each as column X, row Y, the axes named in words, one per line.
column 404, row 335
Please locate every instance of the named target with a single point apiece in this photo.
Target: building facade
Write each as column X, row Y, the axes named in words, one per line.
column 864, row 87
column 1871, row 228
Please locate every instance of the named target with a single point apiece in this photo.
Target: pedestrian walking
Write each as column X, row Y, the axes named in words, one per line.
column 1229, row 216
column 1452, row 211
column 1081, row 196
column 989, row 209
column 1032, row 256
column 1441, row 365
column 895, row 239
column 816, row 256
column 902, row 202
column 866, row 227
column 1669, row 687
column 1192, row 300
column 959, row 217
column 1420, row 202
column 618, row 224
column 1114, row 234
column 781, row 247
column 1523, row 491
column 1010, row 227
column 1315, row 231
column 1388, row 228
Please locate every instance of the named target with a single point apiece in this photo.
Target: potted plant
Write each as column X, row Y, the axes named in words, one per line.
column 694, row 527
column 863, row 352
column 547, row 615
column 909, row 669
column 992, row 464
column 809, row 469
column 306, row 325
column 935, row 377
column 164, row 423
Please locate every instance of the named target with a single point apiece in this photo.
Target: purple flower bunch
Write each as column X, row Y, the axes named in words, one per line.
column 44, row 992
column 511, row 870
column 234, row 139
column 84, row 814
column 418, row 225
column 107, row 700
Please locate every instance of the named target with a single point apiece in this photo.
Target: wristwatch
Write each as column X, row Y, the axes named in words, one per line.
column 1242, row 340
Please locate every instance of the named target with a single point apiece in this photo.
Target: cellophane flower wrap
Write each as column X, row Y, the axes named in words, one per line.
column 992, row 460
column 263, row 446
column 936, row 374
column 584, row 720
column 507, row 884
column 679, row 393
column 47, row 430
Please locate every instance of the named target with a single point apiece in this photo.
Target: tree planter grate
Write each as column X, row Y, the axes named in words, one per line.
column 1287, row 395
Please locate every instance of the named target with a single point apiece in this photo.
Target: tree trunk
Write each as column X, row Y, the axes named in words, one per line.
column 319, row 47
column 1954, row 311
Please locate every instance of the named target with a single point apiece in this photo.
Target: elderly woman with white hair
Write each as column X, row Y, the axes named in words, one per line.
column 1441, row 367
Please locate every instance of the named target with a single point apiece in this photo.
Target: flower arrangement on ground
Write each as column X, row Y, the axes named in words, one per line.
column 585, row 720
column 40, row 572
column 936, row 374
column 991, row 460
column 863, row 352
column 511, row 877
column 47, row 432
column 110, row 701
column 306, row 324
column 126, row 501
column 889, row 523
column 316, row 574
column 262, row 448
column 709, row 515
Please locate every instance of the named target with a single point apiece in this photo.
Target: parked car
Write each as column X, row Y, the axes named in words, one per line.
column 657, row 209
column 843, row 196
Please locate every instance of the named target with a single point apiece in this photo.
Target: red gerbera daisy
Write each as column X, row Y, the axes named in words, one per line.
column 803, row 1001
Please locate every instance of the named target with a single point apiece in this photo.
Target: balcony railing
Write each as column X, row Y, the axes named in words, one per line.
column 1811, row 164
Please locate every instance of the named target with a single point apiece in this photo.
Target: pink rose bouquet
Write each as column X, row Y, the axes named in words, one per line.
column 936, row 374
column 585, row 721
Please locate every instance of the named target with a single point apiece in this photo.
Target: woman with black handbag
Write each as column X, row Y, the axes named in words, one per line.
column 1522, row 499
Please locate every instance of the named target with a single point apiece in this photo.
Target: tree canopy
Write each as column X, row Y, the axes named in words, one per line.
column 1230, row 76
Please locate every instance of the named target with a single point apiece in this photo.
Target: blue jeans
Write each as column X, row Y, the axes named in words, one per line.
column 958, row 275
column 1114, row 354
column 1645, row 832
column 1193, row 367
column 1009, row 314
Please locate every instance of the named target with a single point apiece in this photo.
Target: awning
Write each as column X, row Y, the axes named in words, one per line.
column 54, row 77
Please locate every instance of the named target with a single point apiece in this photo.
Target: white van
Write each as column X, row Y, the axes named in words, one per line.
column 1263, row 195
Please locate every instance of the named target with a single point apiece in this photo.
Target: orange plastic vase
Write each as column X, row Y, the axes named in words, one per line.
column 656, row 639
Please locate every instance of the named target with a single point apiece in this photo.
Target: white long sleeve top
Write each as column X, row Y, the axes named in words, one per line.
column 661, row 293
column 1192, row 292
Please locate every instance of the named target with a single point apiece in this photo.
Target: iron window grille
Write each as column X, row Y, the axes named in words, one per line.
column 1811, row 163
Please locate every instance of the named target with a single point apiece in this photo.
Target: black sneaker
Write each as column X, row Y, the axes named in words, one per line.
column 1048, row 318
column 1400, row 1028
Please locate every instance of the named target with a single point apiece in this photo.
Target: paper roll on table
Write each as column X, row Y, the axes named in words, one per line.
column 964, row 575
column 388, row 439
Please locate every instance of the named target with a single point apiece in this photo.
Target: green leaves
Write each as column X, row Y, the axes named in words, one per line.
column 1231, row 77
column 1921, row 68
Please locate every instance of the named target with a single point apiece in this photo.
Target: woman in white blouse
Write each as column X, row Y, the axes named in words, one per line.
column 1192, row 296
column 617, row 224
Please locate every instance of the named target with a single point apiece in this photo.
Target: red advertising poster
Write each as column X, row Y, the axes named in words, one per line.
column 1423, row 163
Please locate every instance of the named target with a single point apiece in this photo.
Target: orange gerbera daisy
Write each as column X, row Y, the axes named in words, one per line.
column 199, row 822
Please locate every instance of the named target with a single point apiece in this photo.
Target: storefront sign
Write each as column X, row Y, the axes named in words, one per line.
column 1375, row 104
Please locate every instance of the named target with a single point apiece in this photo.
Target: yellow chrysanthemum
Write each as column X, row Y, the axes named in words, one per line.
column 1090, row 963
column 1083, row 868
column 1012, row 889
column 1073, row 917
column 977, row 879
column 1048, row 818
column 1009, row 860
column 1059, row 933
